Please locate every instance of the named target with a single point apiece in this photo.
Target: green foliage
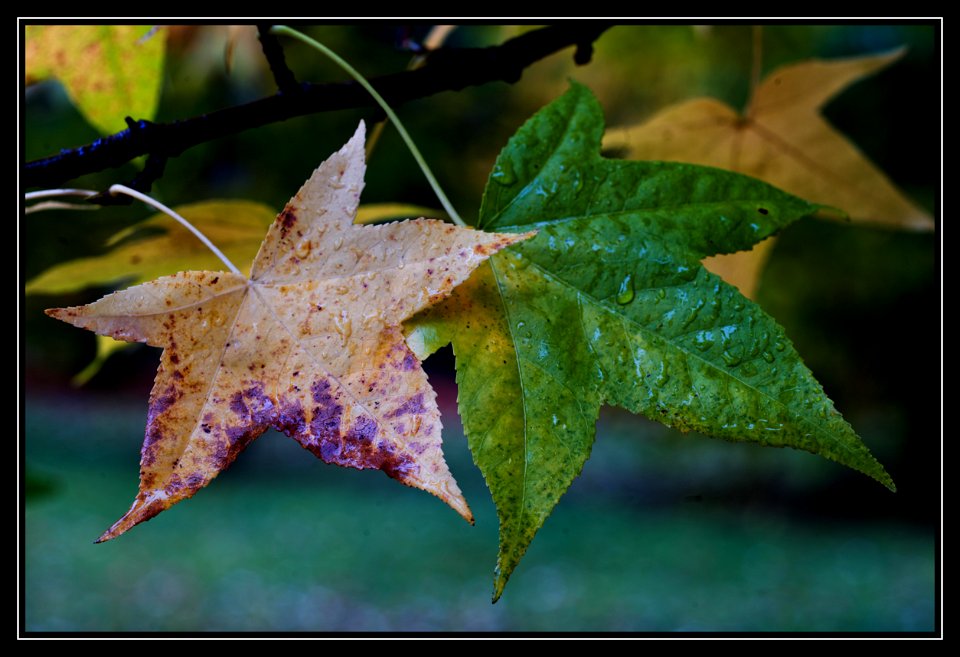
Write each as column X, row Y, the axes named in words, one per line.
column 609, row 304
column 110, row 71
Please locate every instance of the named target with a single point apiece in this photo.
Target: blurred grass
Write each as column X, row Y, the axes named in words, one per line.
column 284, row 542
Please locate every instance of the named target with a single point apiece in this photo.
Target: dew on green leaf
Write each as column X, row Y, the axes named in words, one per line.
column 625, row 293
column 503, row 174
column 577, row 181
column 731, row 357
column 703, row 340
column 515, row 393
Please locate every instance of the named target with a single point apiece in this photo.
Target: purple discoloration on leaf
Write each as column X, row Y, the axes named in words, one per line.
column 359, row 449
column 291, row 419
column 237, row 405
column 409, row 363
column 321, row 391
column 363, row 430
column 174, row 484
column 163, row 401
column 236, row 434
column 325, row 424
column 412, row 406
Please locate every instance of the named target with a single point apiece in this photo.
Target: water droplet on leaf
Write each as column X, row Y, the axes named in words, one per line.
column 625, row 293
column 303, row 248
column 577, row 182
column 703, row 340
column 731, row 358
column 503, row 173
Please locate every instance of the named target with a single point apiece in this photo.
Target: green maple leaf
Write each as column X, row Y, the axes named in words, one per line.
column 609, row 304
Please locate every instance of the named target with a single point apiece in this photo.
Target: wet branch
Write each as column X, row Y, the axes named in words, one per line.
column 446, row 70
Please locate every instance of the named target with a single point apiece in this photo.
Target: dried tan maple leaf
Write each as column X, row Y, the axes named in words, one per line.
column 782, row 139
column 310, row 344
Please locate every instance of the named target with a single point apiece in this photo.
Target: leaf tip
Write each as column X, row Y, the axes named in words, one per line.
column 498, row 585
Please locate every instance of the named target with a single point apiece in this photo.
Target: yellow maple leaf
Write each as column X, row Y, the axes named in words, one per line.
column 109, row 71
column 310, row 344
column 782, row 139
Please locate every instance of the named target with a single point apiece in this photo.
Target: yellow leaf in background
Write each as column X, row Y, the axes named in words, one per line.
column 109, row 71
column 159, row 246
column 783, row 140
column 373, row 213
column 106, row 347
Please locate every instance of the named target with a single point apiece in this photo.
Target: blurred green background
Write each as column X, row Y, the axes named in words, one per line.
column 662, row 532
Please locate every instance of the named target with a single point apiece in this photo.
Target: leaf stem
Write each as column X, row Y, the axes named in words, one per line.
column 437, row 35
column 283, row 29
column 59, row 205
column 123, row 189
column 48, row 193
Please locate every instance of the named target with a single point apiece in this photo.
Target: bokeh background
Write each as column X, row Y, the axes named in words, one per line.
column 662, row 532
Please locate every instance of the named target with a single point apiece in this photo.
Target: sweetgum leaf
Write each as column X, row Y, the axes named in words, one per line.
column 309, row 343
column 609, row 304
column 781, row 138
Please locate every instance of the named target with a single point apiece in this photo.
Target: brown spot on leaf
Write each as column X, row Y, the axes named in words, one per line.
column 287, row 218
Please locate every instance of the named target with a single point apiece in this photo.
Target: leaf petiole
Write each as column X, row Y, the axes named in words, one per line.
column 283, row 29
column 114, row 190
column 123, row 189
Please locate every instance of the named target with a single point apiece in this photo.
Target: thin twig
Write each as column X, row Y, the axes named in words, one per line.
column 273, row 52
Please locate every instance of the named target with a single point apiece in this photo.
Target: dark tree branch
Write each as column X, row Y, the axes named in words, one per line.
column 273, row 51
column 445, row 70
